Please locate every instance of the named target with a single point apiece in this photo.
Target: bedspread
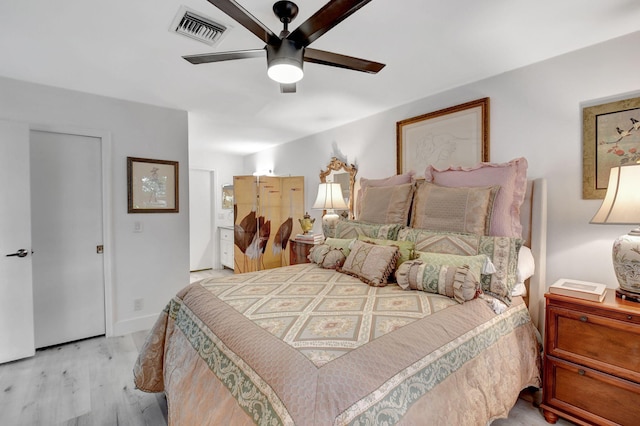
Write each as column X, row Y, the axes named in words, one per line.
column 309, row 346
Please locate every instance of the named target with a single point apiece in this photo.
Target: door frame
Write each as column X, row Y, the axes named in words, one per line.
column 107, row 219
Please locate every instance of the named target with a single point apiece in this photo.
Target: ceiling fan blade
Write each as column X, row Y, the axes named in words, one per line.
column 323, row 57
column 287, row 88
column 330, row 15
column 206, row 58
column 247, row 20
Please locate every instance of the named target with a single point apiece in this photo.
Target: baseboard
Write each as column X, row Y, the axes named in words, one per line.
column 132, row 325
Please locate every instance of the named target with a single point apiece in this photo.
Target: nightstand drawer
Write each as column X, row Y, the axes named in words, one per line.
column 595, row 341
column 591, row 395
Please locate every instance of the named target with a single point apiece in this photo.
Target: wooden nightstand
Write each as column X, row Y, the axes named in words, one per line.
column 298, row 251
column 592, row 360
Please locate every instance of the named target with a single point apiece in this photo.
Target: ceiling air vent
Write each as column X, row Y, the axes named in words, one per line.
column 191, row 24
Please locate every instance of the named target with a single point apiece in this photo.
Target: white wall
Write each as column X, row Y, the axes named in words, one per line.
column 535, row 113
column 226, row 166
column 154, row 264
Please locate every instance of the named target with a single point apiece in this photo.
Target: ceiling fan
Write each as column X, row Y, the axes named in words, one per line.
column 287, row 52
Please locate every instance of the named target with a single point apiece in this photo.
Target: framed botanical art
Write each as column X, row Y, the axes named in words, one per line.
column 458, row 135
column 152, row 186
column 610, row 138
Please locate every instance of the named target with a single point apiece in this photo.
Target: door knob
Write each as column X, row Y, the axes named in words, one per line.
column 19, row 253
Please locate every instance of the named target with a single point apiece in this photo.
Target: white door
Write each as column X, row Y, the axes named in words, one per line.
column 66, row 227
column 201, row 239
column 16, row 293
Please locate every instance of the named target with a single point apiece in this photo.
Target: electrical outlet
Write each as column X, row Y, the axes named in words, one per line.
column 138, row 304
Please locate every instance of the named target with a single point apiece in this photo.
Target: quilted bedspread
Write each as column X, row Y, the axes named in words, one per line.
column 309, row 346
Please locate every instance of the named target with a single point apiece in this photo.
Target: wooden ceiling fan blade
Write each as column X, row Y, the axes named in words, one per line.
column 247, row 20
column 330, row 15
column 287, row 88
column 206, row 58
column 323, row 57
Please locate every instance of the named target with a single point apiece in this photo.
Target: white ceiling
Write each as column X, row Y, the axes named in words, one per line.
column 123, row 49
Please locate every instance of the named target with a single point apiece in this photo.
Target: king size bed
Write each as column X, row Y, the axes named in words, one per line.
column 331, row 343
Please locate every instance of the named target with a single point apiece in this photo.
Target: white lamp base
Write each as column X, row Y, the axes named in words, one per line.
column 626, row 261
column 329, row 222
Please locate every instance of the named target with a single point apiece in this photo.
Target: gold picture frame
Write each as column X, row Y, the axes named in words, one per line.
column 345, row 174
column 610, row 138
column 458, row 135
column 152, row 186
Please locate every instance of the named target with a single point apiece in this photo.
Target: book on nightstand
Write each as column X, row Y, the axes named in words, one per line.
column 310, row 238
column 581, row 289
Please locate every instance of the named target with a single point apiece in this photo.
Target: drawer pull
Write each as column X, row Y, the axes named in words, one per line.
column 629, row 317
column 581, row 372
column 583, row 318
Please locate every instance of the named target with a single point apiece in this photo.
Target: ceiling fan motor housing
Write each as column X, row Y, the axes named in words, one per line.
column 284, row 62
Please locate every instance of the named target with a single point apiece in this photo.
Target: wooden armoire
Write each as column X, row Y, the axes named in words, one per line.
column 266, row 213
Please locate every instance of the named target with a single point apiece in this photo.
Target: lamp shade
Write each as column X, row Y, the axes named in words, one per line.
column 621, row 204
column 330, row 197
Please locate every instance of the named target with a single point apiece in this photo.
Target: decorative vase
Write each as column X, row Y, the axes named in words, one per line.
column 306, row 223
column 626, row 261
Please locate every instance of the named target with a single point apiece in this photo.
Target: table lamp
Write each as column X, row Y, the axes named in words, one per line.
column 621, row 206
column 330, row 198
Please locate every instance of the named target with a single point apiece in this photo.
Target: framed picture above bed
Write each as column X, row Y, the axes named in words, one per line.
column 610, row 138
column 458, row 135
column 152, row 186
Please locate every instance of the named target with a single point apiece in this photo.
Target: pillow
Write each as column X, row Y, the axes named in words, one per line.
column 441, row 242
column 460, row 209
column 340, row 243
column 390, row 181
column 512, row 178
column 525, row 270
column 386, row 204
column 354, row 228
column 371, row 263
column 526, row 265
column 502, row 251
column 454, row 276
column 326, row 256
column 406, row 248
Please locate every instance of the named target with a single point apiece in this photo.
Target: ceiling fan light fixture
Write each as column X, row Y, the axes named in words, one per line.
column 284, row 62
column 285, row 73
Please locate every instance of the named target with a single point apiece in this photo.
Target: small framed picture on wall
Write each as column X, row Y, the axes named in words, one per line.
column 610, row 138
column 152, row 186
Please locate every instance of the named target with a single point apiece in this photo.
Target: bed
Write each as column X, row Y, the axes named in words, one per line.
column 310, row 345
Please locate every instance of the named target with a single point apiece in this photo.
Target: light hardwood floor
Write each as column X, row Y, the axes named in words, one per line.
column 90, row 382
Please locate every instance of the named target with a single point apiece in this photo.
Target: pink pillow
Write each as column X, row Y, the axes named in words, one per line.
column 512, row 178
column 389, row 181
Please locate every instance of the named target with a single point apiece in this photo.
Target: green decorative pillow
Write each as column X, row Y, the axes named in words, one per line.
column 407, row 248
column 371, row 263
column 441, row 242
column 502, row 251
column 354, row 229
column 340, row 243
